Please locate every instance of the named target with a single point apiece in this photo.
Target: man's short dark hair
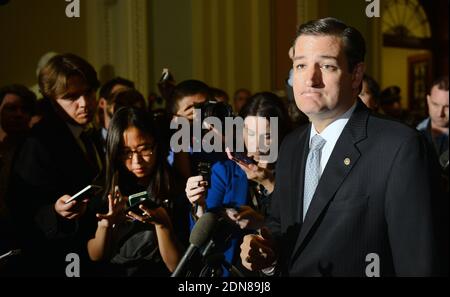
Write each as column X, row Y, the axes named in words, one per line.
column 188, row 88
column 441, row 83
column 218, row 93
column 243, row 90
column 390, row 95
column 105, row 90
column 126, row 98
column 373, row 86
column 54, row 76
column 28, row 97
column 354, row 44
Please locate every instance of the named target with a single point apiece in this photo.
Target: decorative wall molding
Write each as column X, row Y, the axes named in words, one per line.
column 138, row 48
column 307, row 10
column 117, row 40
column 231, row 44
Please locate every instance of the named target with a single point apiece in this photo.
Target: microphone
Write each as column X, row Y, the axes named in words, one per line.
column 218, row 259
column 223, row 233
column 213, row 253
column 200, row 234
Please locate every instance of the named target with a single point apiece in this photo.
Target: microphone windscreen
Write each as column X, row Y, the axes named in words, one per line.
column 203, row 229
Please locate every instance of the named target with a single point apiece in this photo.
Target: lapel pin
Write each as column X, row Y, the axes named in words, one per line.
column 347, row 161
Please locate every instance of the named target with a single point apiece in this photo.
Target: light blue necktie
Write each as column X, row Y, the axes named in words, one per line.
column 312, row 171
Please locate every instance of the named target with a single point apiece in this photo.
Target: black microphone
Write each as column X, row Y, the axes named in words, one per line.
column 218, row 259
column 213, row 253
column 223, row 233
column 200, row 234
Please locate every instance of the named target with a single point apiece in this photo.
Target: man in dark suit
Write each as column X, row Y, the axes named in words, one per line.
column 353, row 192
column 56, row 161
column 106, row 105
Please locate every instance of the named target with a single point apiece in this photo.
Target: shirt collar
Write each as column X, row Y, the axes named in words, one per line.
column 104, row 133
column 76, row 130
column 332, row 132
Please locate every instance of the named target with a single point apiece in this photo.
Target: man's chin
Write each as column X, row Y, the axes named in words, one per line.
column 82, row 121
column 311, row 109
column 442, row 125
column 139, row 175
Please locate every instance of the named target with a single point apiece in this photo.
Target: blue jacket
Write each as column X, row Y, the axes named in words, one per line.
column 229, row 187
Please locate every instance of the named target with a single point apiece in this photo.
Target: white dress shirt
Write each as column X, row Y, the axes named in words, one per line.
column 331, row 134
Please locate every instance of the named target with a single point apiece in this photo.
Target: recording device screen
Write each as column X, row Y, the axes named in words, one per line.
column 141, row 198
column 204, row 169
column 88, row 191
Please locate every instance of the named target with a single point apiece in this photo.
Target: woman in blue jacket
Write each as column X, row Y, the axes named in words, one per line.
column 238, row 190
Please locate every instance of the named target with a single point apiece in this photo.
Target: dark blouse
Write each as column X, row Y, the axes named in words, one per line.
column 135, row 247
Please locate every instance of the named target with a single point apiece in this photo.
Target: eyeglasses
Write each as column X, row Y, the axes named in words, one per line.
column 144, row 151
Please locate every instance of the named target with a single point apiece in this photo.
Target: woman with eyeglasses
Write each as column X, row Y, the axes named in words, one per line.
column 143, row 241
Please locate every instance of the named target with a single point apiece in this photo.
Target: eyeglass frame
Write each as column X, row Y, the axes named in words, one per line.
column 128, row 156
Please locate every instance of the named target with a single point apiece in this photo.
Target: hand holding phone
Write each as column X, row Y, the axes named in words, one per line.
column 72, row 209
column 240, row 157
column 166, row 84
column 90, row 190
column 141, row 198
column 255, row 171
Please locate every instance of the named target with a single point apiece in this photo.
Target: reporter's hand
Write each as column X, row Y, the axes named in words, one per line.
column 258, row 173
column 246, row 217
column 158, row 216
column 196, row 189
column 116, row 210
column 72, row 210
column 187, row 105
column 257, row 251
column 185, row 110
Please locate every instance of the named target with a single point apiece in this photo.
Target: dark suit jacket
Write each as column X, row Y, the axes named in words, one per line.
column 49, row 165
column 380, row 203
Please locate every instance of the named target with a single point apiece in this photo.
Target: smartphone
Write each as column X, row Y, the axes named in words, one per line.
column 242, row 157
column 91, row 190
column 141, row 198
column 165, row 75
column 166, row 84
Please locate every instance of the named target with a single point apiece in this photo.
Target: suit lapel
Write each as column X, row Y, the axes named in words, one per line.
column 66, row 147
column 299, row 163
column 343, row 158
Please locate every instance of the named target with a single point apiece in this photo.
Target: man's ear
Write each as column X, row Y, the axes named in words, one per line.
column 358, row 74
